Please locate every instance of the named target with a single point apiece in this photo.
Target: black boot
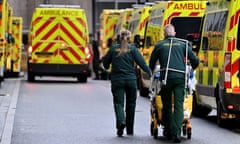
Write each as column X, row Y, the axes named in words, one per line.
column 177, row 139
column 120, row 130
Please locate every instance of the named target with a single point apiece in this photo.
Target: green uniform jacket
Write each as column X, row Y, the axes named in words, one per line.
column 177, row 57
column 123, row 66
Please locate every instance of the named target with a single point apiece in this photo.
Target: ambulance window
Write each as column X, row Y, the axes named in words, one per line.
column 133, row 25
column 238, row 34
column 156, row 21
column 117, row 28
column 215, row 25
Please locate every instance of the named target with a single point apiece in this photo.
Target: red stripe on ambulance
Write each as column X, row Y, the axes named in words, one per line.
column 45, row 25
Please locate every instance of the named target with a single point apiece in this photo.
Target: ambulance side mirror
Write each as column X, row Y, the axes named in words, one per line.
column 205, row 43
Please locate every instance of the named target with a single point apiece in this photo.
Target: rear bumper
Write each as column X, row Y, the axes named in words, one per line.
column 231, row 99
column 58, row 69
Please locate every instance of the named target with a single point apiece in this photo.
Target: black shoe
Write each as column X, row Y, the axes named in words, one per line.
column 167, row 134
column 120, row 130
column 177, row 139
column 130, row 133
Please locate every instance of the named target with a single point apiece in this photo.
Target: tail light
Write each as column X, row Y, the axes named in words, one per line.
column 88, row 53
column 227, row 70
column 30, row 49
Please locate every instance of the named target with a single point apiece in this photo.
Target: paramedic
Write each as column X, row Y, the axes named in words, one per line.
column 175, row 83
column 96, row 59
column 123, row 56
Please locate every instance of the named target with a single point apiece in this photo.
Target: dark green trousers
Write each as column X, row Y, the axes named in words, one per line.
column 122, row 89
column 173, row 117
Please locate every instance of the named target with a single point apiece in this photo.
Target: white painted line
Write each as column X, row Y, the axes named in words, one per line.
column 7, row 131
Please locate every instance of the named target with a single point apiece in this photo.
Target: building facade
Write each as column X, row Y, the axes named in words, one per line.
column 93, row 8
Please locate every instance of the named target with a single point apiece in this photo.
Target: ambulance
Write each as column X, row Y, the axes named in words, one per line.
column 109, row 19
column 137, row 26
column 3, row 22
column 218, row 74
column 123, row 21
column 17, row 46
column 187, row 18
column 59, row 42
column 138, row 23
column 10, row 42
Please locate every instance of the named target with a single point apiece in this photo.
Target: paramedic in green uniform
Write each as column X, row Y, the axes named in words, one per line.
column 175, row 83
column 123, row 57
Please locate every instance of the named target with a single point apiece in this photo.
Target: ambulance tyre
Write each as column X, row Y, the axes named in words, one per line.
column 199, row 109
column 82, row 78
column 30, row 77
column 220, row 121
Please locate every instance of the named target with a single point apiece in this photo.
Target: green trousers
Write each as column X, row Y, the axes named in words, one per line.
column 173, row 117
column 122, row 89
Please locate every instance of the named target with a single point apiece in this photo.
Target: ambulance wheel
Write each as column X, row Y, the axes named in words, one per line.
column 200, row 110
column 30, row 77
column 82, row 78
column 220, row 121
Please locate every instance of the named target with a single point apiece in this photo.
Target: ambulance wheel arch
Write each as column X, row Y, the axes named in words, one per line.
column 30, row 77
column 200, row 109
column 218, row 91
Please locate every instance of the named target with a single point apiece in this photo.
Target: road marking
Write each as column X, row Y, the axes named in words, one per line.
column 7, row 131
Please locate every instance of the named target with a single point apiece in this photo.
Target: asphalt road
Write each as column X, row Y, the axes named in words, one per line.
column 62, row 111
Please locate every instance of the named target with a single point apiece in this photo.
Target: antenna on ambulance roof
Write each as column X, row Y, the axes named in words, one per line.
column 58, row 6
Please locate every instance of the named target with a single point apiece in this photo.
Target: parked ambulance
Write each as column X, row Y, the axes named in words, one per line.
column 59, row 41
column 187, row 18
column 16, row 54
column 3, row 19
column 218, row 74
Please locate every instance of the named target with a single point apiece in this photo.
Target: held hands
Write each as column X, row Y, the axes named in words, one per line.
column 150, row 74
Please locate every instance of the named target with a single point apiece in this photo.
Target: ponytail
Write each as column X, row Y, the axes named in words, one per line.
column 125, row 38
